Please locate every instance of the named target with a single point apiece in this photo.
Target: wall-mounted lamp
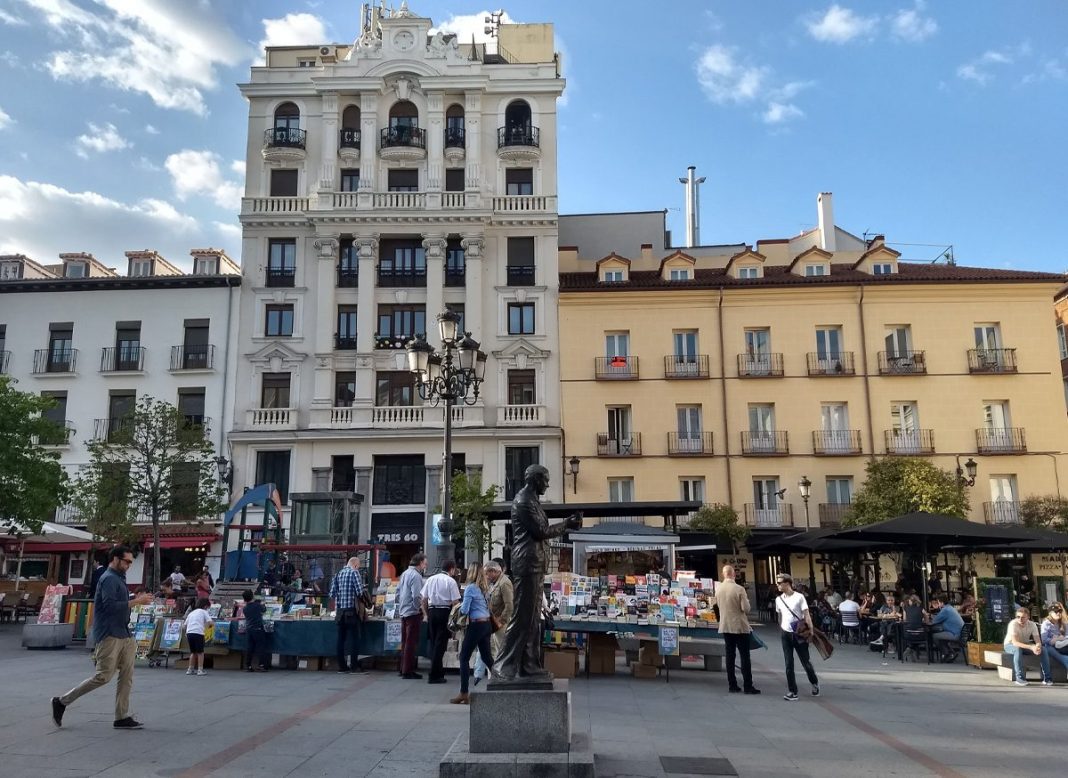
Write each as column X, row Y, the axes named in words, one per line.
column 573, row 471
column 971, row 468
column 226, row 471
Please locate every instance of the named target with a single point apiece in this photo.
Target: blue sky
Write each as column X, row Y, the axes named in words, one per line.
column 932, row 123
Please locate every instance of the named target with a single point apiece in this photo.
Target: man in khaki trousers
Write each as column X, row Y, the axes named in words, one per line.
column 734, row 626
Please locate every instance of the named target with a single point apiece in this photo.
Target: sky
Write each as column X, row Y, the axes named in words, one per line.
column 935, row 124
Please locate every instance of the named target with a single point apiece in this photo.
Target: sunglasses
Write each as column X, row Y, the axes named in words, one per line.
column 127, row 561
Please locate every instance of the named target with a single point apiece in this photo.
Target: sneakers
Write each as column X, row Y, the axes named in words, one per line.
column 1047, row 682
column 201, row 672
column 58, row 709
column 190, row 671
column 790, row 697
column 877, row 642
column 1021, row 682
column 815, row 690
column 128, row 723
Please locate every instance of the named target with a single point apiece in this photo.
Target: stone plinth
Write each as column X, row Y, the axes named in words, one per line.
column 521, row 721
column 460, row 762
column 47, row 636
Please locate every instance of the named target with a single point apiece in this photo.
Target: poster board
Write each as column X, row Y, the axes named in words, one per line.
column 391, row 636
column 1049, row 589
column 171, row 639
column 995, row 600
column 52, row 604
column 668, row 640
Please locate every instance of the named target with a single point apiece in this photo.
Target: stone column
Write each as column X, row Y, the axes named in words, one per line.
column 435, row 149
column 326, row 247
column 368, row 147
column 367, row 315
column 321, row 477
column 434, row 244
column 329, row 141
column 473, row 151
column 474, row 246
column 363, row 486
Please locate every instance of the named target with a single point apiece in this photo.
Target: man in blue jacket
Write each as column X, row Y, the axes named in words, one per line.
column 947, row 625
column 115, row 647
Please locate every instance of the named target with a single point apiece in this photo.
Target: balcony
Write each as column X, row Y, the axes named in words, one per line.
column 832, row 514
column 992, row 360
column 387, row 342
column 835, row 442
column 831, row 364
column 769, row 518
column 408, row 277
column 625, row 446
column 401, row 416
column 122, row 359
column 618, row 368
column 271, row 419
column 690, row 444
column 398, row 200
column 348, row 145
column 5, row 359
column 280, row 276
column 520, row 275
column 902, row 363
column 270, row 205
column 686, row 366
column 1002, row 512
column 63, row 361
column 760, row 365
column 524, row 204
column 455, row 276
column 348, row 276
column 284, row 144
column 1003, row 440
column 455, row 144
column 519, row 144
column 765, row 444
column 402, row 144
column 344, row 342
column 112, row 429
column 521, row 416
column 59, row 435
column 192, row 357
column 909, row 442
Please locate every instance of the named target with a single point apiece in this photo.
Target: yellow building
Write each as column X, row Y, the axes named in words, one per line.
column 728, row 373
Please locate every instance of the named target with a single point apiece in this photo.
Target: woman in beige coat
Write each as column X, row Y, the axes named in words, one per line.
column 500, row 605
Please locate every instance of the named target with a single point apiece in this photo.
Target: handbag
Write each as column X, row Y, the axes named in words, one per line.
column 822, row 643
column 457, row 620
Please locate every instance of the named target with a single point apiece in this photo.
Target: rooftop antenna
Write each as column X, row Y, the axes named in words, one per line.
column 693, row 207
column 493, row 25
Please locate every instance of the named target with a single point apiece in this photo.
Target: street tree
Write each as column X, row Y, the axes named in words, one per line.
column 1045, row 512
column 471, row 505
column 159, row 464
column 32, row 482
column 720, row 520
column 898, row 485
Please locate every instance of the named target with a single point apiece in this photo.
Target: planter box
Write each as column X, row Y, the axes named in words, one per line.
column 47, row 636
column 975, row 654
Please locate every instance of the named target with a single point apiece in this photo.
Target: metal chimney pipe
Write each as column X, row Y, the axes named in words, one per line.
column 693, row 207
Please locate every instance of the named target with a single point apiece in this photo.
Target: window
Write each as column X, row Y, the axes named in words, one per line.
column 275, row 393
column 344, row 389
column 987, row 337
column 75, row 270
column 287, row 117
column 749, row 272
column 402, row 263
column 613, row 276
column 10, row 271
column 688, row 427
column 195, row 351
column 281, row 261
column 521, row 389
column 520, row 318
column 1004, row 497
column 185, row 490
column 766, row 500
column 403, row 115
column 828, row 345
column 616, row 344
column 403, row 180
column 272, row 467
column 516, row 460
column 679, row 274
column 762, row 427
column 685, row 346
column 454, row 179
column 401, row 321
column 1062, row 339
column 399, row 480
column 305, row 62
column 459, row 309
column 60, row 348
column 127, row 346
column 395, row 388
column 346, row 327
column 57, row 414
column 815, row 270
column 205, row 266
column 342, row 473
column 517, row 123
column 283, row 183
column 350, row 180
column 620, row 490
column 692, row 489
column 758, row 360
column 898, row 341
column 348, row 270
column 839, row 490
column 454, row 127
column 140, row 268
column 279, row 321
column 120, row 405
column 619, row 439
column 455, row 263
column 191, row 405
column 519, row 181
column 882, row 269
column 520, row 261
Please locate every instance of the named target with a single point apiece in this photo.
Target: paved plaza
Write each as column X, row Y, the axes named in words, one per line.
column 873, row 719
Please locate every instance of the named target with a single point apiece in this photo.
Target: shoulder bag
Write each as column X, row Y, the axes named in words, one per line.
column 811, row 635
column 457, row 620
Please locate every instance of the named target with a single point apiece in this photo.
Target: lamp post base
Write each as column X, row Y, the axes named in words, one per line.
column 443, row 551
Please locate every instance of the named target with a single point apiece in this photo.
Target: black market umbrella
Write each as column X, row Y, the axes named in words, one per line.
column 1043, row 540
column 820, row 540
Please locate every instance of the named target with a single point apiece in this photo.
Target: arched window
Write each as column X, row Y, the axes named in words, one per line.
column 287, row 117
column 350, row 127
column 454, row 126
column 404, row 114
column 517, row 115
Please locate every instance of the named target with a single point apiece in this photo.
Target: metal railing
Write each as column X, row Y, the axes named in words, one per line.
column 765, row 444
column 193, row 357
column 909, row 442
column 112, row 428
column 285, row 137
column 992, row 360
column 348, row 276
column 118, row 359
column 59, row 435
column 831, row 363
column 520, row 275
column 392, row 137
column 518, row 136
column 1003, row 440
column 46, row 360
column 686, row 366
column 280, row 276
column 622, row 446
column 454, row 137
column 690, row 443
column 5, row 358
column 902, row 362
column 1002, row 512
column 344, row 342
column 455, row 276
column 832, row 514
column 394, row 341
column 620, row 367
column 835, row 442
column 349, row 138
column 779, row 516
column 760, row 365
column 405, row 278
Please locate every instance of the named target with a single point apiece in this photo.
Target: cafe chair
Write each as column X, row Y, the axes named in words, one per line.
column 914, row 641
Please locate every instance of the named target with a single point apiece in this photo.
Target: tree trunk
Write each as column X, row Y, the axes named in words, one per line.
column 155, row 551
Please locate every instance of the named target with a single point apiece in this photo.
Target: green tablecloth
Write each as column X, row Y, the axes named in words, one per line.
column 314, row 637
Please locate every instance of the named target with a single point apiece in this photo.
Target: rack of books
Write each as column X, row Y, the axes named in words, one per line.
column 685, row 600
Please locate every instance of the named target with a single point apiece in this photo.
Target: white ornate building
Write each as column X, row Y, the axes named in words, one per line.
column 387, row 180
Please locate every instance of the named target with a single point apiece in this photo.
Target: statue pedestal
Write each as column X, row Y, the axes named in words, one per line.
column 516, row 732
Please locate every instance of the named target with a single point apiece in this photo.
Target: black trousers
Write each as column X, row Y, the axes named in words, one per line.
column 438, row 634
column 476, row 636
column 790, row 644
column 740, row 644
column 257, row 648
column 348, row 626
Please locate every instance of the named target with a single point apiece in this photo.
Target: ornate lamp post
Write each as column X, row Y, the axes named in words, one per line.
column 573, row 471
column 805, row 486
column 446, row 378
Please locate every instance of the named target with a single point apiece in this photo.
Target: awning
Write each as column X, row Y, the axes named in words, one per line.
column 183, row 541
column 55, row 548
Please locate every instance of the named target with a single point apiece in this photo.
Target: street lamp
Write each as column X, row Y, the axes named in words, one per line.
column 447, row 377
column 805, row 487
column 573, row 470
column 226, row 471
column 971, row 468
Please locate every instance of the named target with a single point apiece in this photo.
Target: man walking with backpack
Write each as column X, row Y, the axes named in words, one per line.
column 792, row 610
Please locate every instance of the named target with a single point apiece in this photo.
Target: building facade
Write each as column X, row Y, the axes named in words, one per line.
column 388, row 180
column 96, row 341
column 725, row 375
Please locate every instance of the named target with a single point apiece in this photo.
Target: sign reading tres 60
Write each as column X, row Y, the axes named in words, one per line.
column 398, row 537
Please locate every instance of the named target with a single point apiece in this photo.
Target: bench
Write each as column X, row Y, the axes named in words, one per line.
column 713, row 652
column 1002, row 662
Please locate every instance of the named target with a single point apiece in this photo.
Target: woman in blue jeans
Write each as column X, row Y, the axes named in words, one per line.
column 1054, row 628
column 479, row 628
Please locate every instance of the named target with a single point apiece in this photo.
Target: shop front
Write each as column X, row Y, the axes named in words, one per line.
column 190, row 552
column 403, row 535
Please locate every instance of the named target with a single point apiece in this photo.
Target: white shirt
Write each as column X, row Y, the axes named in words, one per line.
column 177, row 579
column 834, row 599
column 787, row 618
column 440, row 589
column 850, row 612
column 196, row 621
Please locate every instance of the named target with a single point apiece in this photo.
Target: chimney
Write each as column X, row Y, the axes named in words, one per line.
column 693, row 207
column 826, row 214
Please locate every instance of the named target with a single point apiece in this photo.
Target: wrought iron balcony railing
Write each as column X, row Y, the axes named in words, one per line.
column 765, row 444
column 285, row 137
column 280, row 276
column 518, row 136
column 831, row 363
column 621, row 367
column 902, row 362
column 119, row 359
column 349, row 138
column 832, row 514
column 1003, row 440
column 454, row 137
column 55, row 360
column 345, row 342
column 520, row 275
column 909, row 442
column 409, row 277
column 414, row 137
column 781, row 515
column 609, row 445
column 193, row 357
column 760, row 365
column 836, row 442
column 992, row 360
column 348, row 276
column 690, row 444
column 1002, row 512
column 686, row 366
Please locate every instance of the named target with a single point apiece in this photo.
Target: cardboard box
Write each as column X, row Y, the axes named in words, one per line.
column 643, row 671
column 649, row 655
column 562, row 664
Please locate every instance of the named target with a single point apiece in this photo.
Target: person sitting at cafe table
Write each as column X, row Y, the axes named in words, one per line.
column 886, row 616
column 946, row 625
column 967, row 607
column 849, row 610
column 1022, row 635
column 1054, row 630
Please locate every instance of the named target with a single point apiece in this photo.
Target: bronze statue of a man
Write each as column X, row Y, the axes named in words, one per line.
column 520, row 658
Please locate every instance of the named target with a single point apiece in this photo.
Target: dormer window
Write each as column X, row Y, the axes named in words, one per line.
column 205, row 266
column 10, row 271
column 613, row 276
column 816, row 270
column 882, row 269
column 749, row 272
column 75, row 270
column 140, row 267
column 680, row 274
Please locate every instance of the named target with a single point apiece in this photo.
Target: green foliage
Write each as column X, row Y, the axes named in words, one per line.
column 32, row 482
column 720, row 520
column 155, row 465
column 470, row 511
column 101, row 501
column 1046, row 512
column 897, row 485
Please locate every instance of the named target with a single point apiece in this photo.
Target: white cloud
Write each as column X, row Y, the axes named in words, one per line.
column 841, row 25
column 232, row 231
column 167, row 51
column 99, row 140
column 151, row 130
column 777, row 113
column 5, row 120
column 466, row 26
column 910, row 25
column 198, row 173
column 144, row 163
column 30, row 211
column 9, row 18
column 728, row 79
column 981, row 70
column 238, row 166
column 291, row 30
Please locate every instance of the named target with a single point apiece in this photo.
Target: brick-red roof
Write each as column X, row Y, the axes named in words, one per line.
column 713, row 278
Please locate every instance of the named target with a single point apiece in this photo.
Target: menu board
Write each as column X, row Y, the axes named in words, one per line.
column 391, row 640
column 668, row 641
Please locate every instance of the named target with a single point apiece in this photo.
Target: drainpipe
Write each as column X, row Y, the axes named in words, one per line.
column 1056, row 474
column 867, row 379
column 723, row 387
